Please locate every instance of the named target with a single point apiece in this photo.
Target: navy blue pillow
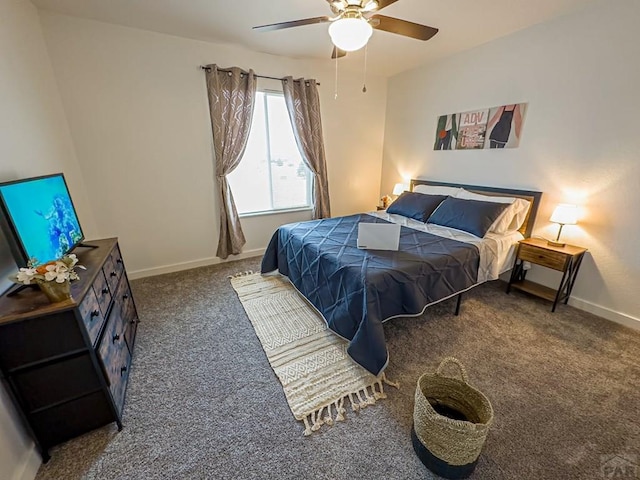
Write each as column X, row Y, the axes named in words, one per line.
column 473, row 216
column 416, row 205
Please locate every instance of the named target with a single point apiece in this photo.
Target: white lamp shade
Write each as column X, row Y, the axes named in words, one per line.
column 565, row 214
column 398, row 188
column 350, row 34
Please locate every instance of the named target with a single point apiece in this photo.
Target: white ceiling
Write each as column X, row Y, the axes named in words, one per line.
column 463, row 24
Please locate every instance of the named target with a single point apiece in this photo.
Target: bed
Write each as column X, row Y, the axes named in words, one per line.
column 453, row 237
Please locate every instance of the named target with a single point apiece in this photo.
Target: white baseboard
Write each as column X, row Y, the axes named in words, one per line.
column 30, row 465
column 621, row 318
column 177, row 267
column 612, row 315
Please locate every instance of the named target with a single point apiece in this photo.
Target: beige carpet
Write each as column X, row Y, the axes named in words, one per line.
column 310, row 361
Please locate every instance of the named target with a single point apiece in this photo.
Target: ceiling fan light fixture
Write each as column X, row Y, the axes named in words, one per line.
column 370, row 5
column 350, row 34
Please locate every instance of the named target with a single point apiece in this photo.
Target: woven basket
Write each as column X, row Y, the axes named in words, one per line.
column 450, row 422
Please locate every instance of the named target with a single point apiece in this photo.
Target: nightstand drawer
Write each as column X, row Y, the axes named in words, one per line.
column 540, row 256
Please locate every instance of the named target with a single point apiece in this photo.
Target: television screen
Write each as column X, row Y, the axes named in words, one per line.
column 41, row 217
column 8, row 264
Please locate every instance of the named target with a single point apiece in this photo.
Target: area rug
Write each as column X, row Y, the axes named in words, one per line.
column 310, row 361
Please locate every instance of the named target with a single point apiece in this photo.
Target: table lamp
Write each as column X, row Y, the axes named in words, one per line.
column 398, row 188
column 564, row 214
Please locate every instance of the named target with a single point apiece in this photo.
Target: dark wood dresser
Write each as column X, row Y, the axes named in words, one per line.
column 66, row 365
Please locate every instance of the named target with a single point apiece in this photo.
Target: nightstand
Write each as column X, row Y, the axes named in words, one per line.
column 565, row 259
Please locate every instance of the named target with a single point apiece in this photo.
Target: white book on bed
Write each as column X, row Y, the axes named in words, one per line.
column 378, row 236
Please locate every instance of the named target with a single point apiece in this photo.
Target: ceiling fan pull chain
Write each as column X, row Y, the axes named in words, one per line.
column 335, row 93
column 364, row 79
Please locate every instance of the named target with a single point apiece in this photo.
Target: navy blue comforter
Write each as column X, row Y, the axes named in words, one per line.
column 356, row 290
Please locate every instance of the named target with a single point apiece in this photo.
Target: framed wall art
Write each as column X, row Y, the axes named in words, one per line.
column 497, row 127
column 473, row 126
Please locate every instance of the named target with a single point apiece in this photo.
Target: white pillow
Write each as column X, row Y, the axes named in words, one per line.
column 437, row 190
column 512, row 217
column 520, row 208
column 467, row 195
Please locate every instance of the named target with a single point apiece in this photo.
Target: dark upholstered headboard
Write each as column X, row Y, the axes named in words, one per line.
column 532, row 196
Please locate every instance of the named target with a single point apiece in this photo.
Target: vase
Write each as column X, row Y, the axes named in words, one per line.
column 56, row 292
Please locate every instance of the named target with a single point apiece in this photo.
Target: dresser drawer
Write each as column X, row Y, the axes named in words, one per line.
column 116, row 261
column 118, row 372
column 92, row 316
column 113, row 268
column 540, row 256
column 43, row 387
column 113, row 338
column 124, row 301
column 68, row 420
column 115, row 357
column 39, row 338
column 102, row 292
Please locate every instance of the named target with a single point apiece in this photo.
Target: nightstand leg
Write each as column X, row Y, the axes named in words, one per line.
column 517, row 273
column 458, row 304
column 566, row 284
column 512, row 277
column 574, row 274
column 562, row 294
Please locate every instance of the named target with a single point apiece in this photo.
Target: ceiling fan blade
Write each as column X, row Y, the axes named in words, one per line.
column 338, row 53
column 341, row 4
column 294, row 23
column 402, row 27
column 384, row 3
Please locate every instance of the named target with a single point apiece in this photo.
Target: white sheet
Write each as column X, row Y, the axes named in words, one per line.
column 496, row 251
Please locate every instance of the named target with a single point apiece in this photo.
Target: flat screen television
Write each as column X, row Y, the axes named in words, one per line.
column 39, row 218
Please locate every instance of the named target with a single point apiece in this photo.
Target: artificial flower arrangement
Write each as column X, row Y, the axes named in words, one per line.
column 59, row 271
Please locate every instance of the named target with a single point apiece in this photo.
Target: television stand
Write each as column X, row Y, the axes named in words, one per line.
column 86, row 245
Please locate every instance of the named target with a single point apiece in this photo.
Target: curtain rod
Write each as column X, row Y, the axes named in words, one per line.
column 202, row 67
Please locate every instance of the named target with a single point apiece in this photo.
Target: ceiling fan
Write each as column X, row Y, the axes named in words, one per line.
column 353, row 24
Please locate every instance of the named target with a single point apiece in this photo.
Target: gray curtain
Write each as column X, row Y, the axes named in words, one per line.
column 231, row 93
column 303, row 104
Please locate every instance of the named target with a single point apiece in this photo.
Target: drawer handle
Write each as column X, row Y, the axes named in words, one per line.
column 95, row 313
column 113, row 274
column 122, row 370
column 116, row 337
column 105, row 290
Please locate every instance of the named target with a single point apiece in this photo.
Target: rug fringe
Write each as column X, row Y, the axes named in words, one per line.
column 389, row 382
column 241, row 274
column 359, row 399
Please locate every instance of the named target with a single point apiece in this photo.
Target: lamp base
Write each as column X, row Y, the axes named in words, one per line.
column 553, row 243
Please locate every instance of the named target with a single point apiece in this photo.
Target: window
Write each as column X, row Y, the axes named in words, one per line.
column 271, row 175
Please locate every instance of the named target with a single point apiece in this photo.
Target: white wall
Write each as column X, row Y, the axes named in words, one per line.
column 34, row 135
column 34, row 140
column 580, row 75
column 137, row 107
